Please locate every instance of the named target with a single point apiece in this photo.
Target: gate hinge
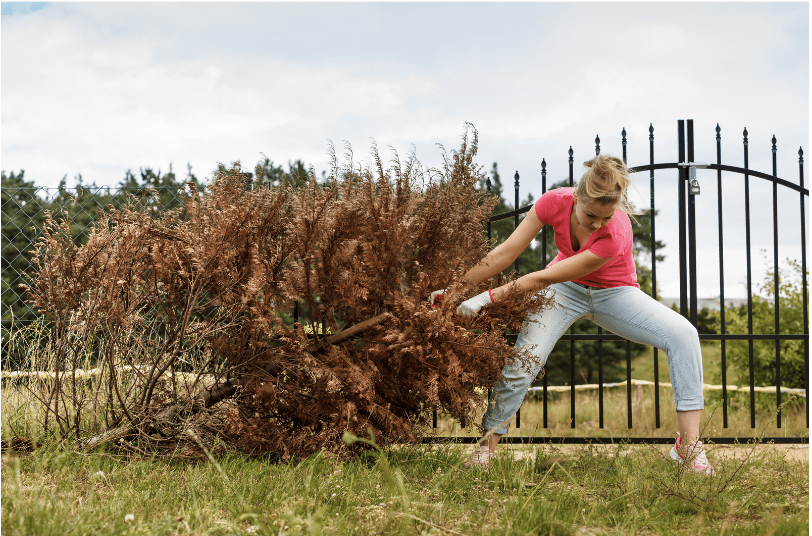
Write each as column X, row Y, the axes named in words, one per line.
column 693, row 188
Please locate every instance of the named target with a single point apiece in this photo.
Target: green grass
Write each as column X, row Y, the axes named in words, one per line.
column 587, row 490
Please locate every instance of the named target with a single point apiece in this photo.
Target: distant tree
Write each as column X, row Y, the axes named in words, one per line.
column 167, row 186
column 271, row 175
column 23, row 217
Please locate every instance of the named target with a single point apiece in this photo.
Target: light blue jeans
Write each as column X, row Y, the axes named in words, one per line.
column 625, row 311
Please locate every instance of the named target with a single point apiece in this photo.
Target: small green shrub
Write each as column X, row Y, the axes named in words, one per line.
column 790, row 303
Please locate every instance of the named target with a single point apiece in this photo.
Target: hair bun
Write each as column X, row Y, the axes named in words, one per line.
column 606, row 180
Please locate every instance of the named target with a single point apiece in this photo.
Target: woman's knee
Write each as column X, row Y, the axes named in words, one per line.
column 681, row 332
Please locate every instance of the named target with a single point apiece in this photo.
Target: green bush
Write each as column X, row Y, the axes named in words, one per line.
column 790, row 298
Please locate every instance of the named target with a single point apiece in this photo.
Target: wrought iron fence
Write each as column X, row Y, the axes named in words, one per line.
column 687, row 190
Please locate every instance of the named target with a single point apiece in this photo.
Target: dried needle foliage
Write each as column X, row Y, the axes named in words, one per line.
column 187, row 314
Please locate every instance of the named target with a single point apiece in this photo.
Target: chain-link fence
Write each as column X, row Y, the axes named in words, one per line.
column 24, row 213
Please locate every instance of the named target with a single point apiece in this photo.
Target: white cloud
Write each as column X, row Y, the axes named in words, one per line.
column 99, row 88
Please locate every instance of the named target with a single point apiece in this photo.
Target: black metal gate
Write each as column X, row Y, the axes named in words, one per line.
column 688, row 188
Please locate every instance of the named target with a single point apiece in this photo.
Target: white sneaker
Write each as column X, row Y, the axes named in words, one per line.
column 694, row 456
column 481, row 457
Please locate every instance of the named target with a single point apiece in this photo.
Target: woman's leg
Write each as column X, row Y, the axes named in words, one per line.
column 631, row 313
column 539, row 334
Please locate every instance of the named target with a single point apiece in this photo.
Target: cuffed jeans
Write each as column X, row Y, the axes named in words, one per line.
column 625, row 311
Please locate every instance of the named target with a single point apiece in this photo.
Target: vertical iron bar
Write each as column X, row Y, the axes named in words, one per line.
column 516, row 207
column 572, row 331
column 721, row 273
column 544, row 264
column 488, row 185
column 544, row 229
column 515, row 226
column 683, row 255
column 600, row 382
column 623, row 142
column 629, row 381
column 776, row 299
column 692, row 232
column 600, row 332
column 600, row 342
column 653, row 271
column 749, row 280
column 803, row 281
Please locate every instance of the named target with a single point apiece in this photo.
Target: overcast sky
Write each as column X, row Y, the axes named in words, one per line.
column 101, row 88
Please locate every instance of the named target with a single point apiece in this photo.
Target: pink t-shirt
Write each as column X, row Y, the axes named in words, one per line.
column 613, row 240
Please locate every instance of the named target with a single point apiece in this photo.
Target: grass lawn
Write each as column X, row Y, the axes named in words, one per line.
column 585, row 490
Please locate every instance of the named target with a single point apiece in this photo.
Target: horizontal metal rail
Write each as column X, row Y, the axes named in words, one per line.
column 574, row 440
column 702, row 336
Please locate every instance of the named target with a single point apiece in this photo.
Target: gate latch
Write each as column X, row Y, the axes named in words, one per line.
column 693, row 183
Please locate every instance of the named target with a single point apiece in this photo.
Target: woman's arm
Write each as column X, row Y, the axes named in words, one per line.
column 575, row 267
column 508, row 251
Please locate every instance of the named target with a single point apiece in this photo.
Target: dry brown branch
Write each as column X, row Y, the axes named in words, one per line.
column 208, row 290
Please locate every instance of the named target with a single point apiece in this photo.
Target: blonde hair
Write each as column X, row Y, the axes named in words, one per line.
column 606, row 181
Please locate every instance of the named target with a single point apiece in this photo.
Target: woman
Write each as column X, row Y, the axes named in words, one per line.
column 592, row 277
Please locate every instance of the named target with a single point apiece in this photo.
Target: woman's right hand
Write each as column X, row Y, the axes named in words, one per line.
column 437, row 296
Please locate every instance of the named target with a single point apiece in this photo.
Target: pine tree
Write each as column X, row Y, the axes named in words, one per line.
column 23, row 217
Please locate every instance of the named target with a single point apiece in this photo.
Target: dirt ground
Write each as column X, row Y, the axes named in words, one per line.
column 798, row 453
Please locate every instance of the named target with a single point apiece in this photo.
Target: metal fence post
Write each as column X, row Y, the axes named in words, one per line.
column 683, row 247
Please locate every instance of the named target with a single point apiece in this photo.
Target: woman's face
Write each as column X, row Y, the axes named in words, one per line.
column 594, row 215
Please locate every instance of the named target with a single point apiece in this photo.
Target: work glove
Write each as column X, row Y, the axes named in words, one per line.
column 471, row 307
column 436, row 297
